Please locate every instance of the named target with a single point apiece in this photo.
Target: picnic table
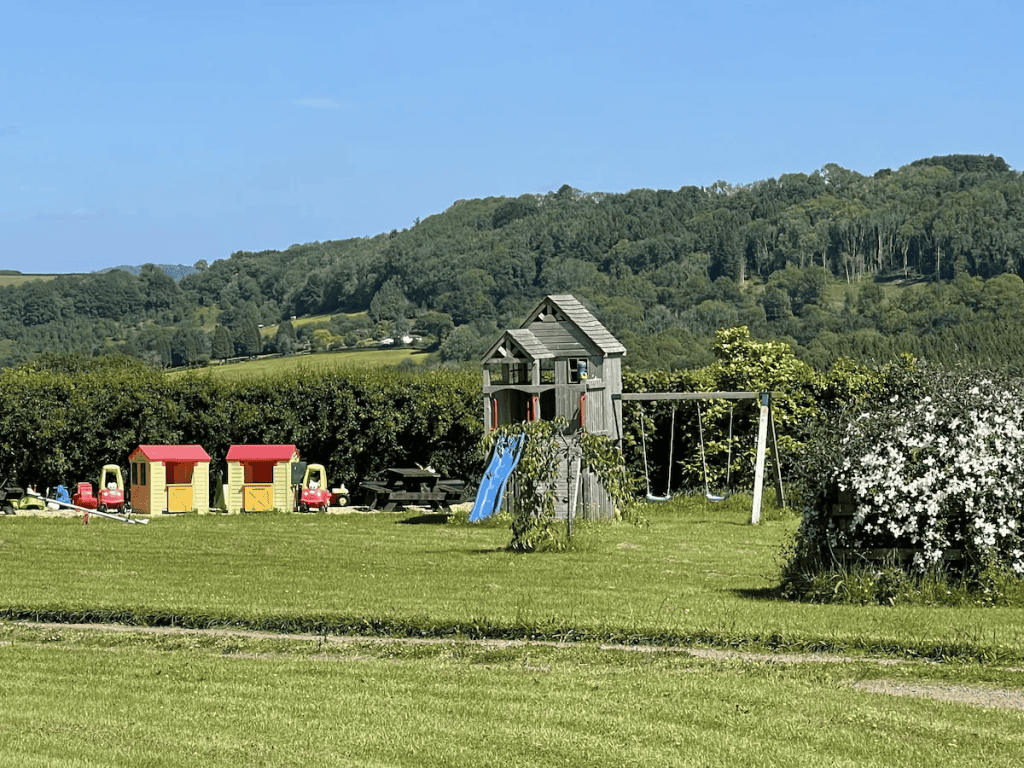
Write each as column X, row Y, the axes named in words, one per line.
column 403, row 486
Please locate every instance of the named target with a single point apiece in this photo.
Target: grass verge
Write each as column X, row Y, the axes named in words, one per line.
column 75, row 697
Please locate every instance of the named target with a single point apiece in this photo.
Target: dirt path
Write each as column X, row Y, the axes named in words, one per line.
column 971, row 695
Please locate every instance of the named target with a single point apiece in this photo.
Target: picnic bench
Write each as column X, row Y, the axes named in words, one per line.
column 413, row 486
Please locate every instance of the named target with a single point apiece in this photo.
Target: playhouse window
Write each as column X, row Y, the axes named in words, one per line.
column 179, row 473
column 259, row 472
column 138, row 473
column 547, row 371
column 499, row 374
column 577, row 370
column 510, row 373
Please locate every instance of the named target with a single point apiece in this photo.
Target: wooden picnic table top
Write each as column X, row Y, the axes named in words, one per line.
column 405, row 485
column 413, row 473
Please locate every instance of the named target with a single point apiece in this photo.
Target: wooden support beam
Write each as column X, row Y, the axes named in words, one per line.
column 649, row 396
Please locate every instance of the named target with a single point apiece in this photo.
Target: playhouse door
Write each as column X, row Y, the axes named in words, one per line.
column 258, row 498
column 179, row 498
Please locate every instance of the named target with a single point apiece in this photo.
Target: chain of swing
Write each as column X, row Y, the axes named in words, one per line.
column 703, row 457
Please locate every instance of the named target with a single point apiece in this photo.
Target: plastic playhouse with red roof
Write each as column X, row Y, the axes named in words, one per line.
column 170, row 478
column 260, row 478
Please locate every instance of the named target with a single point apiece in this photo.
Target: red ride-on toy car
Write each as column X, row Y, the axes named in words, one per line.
column 112, row 496
column 111, row 493
column 313, row 495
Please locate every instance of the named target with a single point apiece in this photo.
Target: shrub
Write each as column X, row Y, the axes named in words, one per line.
column 545, row 449
column 932, row 464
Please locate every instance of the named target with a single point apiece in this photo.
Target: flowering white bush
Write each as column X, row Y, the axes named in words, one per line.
column 936, row 464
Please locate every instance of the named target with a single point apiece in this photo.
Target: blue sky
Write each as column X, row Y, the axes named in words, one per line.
column 131, row 133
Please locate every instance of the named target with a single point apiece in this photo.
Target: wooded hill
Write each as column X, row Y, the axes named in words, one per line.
column 925, row 259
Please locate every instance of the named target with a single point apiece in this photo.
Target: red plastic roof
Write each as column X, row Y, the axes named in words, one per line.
column 261, row 452
column 171, row 453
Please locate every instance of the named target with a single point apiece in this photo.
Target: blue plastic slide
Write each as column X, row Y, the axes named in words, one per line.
column 492, row 488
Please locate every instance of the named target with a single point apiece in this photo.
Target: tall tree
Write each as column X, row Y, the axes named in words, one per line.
column 389, row 303
column 222, row 345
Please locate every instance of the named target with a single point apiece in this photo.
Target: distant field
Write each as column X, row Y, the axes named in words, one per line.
column 273, row 366
column 838, row 290
column 8, row 279
column 301, row 321
column 271, row 330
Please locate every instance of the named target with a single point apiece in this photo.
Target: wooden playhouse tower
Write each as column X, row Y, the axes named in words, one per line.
column 560, row 362
column 260, row 478
column 170, row 478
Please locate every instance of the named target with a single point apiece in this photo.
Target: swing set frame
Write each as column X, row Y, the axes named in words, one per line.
column 765, row 432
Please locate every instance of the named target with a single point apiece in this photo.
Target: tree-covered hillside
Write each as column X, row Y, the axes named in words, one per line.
column 176, row 271
column 926, row 259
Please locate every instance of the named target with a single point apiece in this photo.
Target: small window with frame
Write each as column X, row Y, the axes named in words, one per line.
column 577, row 370
column 499, row 374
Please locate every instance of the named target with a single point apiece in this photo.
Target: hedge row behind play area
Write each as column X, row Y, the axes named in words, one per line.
column 62, row 420
column 61, row 427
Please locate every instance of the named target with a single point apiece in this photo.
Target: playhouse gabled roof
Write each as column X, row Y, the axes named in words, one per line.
column 562, row 307
column 170, row 453
column 518, row 344
column 261, row 453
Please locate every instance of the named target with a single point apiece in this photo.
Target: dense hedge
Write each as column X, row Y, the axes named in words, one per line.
column 61, row 427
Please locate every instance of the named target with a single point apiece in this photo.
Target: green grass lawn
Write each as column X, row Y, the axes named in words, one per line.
column 698, row 573
column 697, row 576
column 90, row 698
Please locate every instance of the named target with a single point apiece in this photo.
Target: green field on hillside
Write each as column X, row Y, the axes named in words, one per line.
column 273, row 366
column 298, row 322
column 9, row 279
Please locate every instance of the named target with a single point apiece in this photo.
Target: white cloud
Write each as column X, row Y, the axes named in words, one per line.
column 318, row 103
column 82, row 212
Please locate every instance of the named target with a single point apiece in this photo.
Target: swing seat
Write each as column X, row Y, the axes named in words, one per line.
column 703, row 457
column 643, row 436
